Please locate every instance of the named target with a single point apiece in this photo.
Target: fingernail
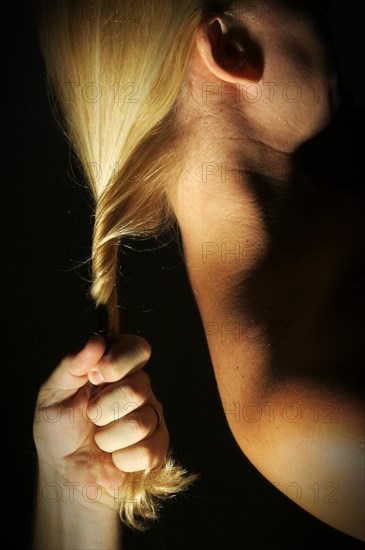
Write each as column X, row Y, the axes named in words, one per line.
column 96, row 377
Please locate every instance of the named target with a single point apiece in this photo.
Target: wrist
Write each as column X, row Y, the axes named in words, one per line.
column 68, row 516
column 57, row 490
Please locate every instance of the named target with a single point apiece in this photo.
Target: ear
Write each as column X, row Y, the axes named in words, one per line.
column 228, row 51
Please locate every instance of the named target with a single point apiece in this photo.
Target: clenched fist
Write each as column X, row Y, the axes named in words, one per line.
column 96, row 419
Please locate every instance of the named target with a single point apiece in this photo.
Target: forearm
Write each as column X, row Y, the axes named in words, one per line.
column 63, row 522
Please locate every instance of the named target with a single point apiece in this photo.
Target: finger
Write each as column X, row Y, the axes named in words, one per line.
column 149, row 453
column 130, row 353
column 131, row 429
column 117, row 400
column 72, row 373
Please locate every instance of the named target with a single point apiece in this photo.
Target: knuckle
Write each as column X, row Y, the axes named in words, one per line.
column 141, row 349
column 130, row 406
column 136, row 426
column 149, row 458
column 114, row 367
column 145, row 454
column 140, row 383
column 130, row 393
column 123, row 391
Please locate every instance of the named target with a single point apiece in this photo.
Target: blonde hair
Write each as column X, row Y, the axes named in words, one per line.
column 115, row 70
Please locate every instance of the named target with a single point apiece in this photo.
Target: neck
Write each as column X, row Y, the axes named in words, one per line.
column 265, row 249
column 221, row 193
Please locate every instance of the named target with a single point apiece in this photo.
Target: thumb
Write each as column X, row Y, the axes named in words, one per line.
column 72, row 373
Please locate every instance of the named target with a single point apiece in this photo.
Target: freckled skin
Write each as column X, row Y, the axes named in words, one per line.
column 276, row 321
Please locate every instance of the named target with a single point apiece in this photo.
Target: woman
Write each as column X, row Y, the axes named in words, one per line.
column 203, row 112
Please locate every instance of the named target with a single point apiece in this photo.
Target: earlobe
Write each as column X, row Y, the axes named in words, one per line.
column 229, row 53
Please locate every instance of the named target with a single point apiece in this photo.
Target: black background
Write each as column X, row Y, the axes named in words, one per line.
column 46, row 312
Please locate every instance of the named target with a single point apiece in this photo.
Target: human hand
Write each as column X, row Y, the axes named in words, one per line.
column 89, row 431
